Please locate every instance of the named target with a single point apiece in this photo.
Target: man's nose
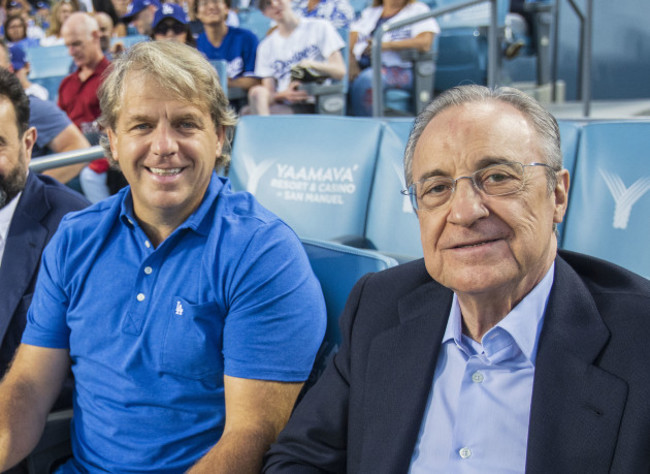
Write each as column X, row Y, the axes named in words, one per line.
column 466, row 206
column 163, row 141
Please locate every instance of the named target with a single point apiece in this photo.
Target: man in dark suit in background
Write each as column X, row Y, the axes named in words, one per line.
column 31, row 206
column 496, row 353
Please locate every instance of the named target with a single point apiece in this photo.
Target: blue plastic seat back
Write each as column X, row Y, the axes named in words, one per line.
column 254, row 20
column 221, row 66
column 392, row 224
column 474, row 16
column 48, row 61
column 129, row 40
column 314, row 171
column 609, row 204
column 338, row 268
column 570, row 136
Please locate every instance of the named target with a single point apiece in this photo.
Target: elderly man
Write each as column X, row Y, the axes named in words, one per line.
column 496, row 353
column 31, row 207
column 189, row 313
column 78, row 93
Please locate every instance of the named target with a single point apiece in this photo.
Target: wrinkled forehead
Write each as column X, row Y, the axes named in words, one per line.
column 464, row 137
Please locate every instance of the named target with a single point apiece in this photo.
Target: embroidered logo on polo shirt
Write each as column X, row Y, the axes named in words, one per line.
column 179, row 308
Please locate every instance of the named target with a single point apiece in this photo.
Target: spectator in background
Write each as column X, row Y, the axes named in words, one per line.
column 311, row 43
column 31, row 207
column 15, row 28
column 396, row 73
column 20, row 68
column 106, row 34
column 78, row 94
column 55, row 132
column 188, row 312
column 42, row 15
column 24, row 8
column 219, row 41
column 339, row 12
column 170, row 23
column 61, row 10
column 140, row 13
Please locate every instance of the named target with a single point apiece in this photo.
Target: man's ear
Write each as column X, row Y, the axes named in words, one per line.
column 112, row 141
column 561, row 195
column 29, row 139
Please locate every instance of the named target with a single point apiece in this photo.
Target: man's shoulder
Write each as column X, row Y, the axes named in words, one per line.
column 40, row 110
column 60, row 195
column 603, row 277
column 395, row 282
column 242, row 34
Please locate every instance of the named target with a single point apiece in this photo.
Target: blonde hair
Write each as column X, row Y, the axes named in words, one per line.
column 55, row 24
column 179, row 69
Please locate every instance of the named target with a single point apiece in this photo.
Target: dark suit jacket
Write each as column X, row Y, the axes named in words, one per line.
column 42, row 205
column 590, row 409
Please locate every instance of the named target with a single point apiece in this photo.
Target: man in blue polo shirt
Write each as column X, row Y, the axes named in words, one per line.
column 189, row 313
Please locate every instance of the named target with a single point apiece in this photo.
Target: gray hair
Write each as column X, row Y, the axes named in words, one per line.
column 542, row 121
column 179, row 69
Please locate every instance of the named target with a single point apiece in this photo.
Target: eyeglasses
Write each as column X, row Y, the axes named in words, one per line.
column 499, row 179
column 163, row 28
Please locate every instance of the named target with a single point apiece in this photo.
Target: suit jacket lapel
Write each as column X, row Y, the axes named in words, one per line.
column 400, row 370
column 25, row 242
column 576, row 407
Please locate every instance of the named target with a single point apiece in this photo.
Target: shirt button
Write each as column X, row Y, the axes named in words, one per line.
column 148, row 270
column 477, row 377
column 465, row 452
column 140, row 297
column 147, row 244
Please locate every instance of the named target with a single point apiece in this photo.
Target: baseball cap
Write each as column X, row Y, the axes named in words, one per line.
column 18, row 57
column 14, row 4
column 40, row 5
column 169, row 10
column 136, row 6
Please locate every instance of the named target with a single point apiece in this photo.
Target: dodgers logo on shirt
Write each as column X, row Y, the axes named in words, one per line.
column 179, row 308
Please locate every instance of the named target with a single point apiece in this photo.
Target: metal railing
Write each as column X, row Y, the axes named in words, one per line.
column 584, row 52
column 375, row 55
column 57, row 160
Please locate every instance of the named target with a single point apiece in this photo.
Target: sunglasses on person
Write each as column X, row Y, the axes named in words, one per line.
column 163, row 28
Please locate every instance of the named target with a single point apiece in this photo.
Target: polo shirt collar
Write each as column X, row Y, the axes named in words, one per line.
column 523, row 323
column 200, row 220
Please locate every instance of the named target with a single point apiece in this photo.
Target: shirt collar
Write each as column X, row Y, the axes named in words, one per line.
column 523, row 322
column 198, row 221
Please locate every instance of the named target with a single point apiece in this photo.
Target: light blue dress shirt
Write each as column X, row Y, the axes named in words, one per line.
column 477, row 415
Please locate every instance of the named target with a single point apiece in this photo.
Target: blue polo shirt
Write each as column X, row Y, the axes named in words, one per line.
column 151, row 332
column 238, row 48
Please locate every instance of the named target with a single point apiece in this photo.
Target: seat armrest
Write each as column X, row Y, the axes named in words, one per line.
column 54, row 445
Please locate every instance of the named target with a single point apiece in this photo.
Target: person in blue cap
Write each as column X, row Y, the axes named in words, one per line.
column 21, row 70
column 140, row 13
column 170, row 23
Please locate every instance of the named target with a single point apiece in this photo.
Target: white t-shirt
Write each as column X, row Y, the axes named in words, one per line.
column 366, row 24
column 6, row 214
column 313, row 39
column 38, row 90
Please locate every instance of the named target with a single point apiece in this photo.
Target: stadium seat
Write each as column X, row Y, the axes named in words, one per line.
column 220, row 65
column 338, row 268
column 609, row 201
column 392, row 226
column 253, row 19
column 570, row 136
column 314, row 171
column 49, row 65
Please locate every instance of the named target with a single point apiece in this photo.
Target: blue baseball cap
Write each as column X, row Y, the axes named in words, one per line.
column 40, row 5
column 18, row 57
column 14, row 4
column 136, row 6
column 169, row 10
